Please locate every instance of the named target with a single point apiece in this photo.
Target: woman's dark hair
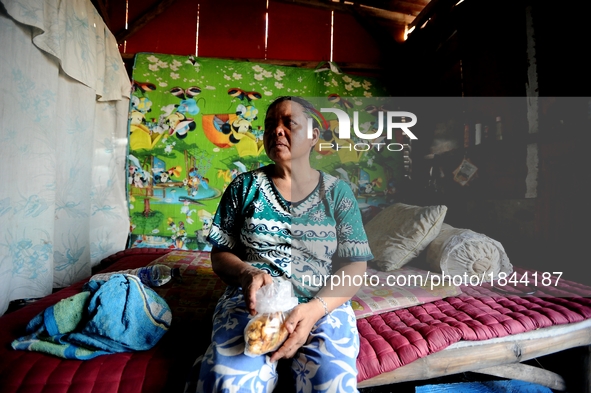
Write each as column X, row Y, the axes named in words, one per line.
column 318, row 121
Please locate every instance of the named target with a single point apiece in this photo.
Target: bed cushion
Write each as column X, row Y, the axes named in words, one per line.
column 394, row 339
column 400, row 232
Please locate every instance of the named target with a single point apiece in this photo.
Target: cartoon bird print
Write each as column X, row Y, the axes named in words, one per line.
column 337, row 99
column 241, row 94
column 187, row 97
column 192, row 91
column 189, row 92
column 143, row 87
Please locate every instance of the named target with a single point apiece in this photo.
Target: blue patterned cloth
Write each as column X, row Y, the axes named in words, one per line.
column 118, row 315
column 333, row 343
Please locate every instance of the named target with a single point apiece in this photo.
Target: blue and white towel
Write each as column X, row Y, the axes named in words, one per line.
column 118, row 315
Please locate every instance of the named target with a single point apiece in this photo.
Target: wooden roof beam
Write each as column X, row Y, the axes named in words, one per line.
column 431, row 9
column 396, row 17
column 404, row 7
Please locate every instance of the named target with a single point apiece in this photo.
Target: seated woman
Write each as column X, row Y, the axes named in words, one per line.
column 287, row 221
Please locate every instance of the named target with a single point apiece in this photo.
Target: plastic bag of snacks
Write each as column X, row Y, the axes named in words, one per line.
column 265, row 332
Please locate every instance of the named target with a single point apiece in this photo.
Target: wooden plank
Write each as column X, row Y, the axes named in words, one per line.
column 473, row 358
column 397, row 17
column 405, row 7
column 524, row 372
column 158, row 8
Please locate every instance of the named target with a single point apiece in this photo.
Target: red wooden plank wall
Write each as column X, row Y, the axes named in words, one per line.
column 172, row 32
column 232, row 28
column 236, row 29
column 298, row 33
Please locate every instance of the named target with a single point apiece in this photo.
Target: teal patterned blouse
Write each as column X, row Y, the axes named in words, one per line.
column 294, row 241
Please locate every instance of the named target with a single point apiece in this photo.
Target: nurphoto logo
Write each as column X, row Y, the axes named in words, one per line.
column 394, row 120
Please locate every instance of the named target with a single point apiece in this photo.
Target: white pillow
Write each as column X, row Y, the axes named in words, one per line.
column 400, row 232
column 467, row 253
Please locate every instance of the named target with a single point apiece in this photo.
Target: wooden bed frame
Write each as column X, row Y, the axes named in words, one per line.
column 500, row 357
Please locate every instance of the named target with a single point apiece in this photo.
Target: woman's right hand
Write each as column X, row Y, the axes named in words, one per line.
column 251, row 279
column 234, row 271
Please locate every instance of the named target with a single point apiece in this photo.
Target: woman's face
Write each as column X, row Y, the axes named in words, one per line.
column 286, row 129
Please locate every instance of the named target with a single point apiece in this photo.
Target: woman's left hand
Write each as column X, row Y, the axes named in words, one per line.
column 299, row 324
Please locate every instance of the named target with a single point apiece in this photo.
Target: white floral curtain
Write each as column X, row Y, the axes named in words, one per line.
column 64, row 99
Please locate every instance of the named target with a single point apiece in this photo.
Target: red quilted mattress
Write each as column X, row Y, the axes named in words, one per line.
column 388, row 341
column 393, row 339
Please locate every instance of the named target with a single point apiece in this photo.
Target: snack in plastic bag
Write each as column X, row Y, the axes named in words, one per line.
column 266, row 331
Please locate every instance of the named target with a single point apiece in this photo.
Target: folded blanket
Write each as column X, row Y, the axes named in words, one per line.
column 467, row 253
column 118, row 315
